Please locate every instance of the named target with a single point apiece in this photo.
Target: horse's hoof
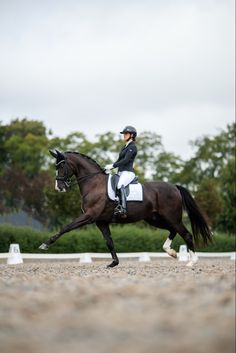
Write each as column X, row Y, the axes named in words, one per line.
column 172, row 253
column 43, row 246
column 113, row 264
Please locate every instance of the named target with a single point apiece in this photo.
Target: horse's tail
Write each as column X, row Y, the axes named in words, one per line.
column 199, row 225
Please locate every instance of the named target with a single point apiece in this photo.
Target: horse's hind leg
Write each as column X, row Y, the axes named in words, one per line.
column 104, row 228
column 161, row 223
column 188, row 238
column 167, row 245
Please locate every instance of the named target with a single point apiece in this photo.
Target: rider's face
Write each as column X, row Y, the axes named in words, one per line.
column 126, row 136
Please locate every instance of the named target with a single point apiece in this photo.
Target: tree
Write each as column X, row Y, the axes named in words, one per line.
column 209, row 198
column 22, row 180
column 210, row 174
column 167, row 167
column 3, row 154
column 228, row 189
column 149, row 146
column 105, row 149
column 25, row 142
column 211, row 156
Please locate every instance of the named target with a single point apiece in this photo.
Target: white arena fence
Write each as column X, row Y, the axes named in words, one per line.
column 140, row 256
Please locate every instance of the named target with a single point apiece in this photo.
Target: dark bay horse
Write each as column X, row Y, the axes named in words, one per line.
column 162, row 205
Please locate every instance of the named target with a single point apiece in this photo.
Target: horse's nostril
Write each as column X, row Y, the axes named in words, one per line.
column 59, row 186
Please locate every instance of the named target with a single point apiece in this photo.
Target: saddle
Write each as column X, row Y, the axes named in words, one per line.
column 114, row 182
column 133, row 191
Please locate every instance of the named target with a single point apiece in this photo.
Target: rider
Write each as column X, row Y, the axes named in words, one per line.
column 125, row 167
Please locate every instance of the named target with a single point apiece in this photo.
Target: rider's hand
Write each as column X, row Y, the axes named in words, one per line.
column 108, row 168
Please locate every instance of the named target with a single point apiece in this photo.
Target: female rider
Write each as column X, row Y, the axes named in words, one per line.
column 125, row 167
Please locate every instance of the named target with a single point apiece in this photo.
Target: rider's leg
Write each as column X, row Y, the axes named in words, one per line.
column 123, row 199
column 125, row 179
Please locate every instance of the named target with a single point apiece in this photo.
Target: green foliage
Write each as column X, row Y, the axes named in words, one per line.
column 75, row 141
column 25, row 143
column 210, row 175
column 22, row 178
column 3, row 152
column 23, row 127
column 129, row 238
column 211, row 157
column 27, row 238
column 228, row 188
column 62, row 207
column 209, row 198
column 149, row 146
column 167, row 167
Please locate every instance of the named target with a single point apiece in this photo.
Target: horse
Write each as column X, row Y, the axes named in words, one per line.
column 162, row 206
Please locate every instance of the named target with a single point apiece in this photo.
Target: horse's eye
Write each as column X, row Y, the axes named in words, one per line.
column 61, row 166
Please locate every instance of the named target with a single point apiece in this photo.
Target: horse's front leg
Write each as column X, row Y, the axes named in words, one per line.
column 78, row 222
column 104, row 228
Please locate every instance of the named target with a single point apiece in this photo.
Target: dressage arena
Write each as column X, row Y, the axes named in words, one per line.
column 160, row 306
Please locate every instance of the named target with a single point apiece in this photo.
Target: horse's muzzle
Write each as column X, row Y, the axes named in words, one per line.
column 60, row 187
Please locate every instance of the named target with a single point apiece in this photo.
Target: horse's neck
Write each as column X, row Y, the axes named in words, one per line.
column 85, row 167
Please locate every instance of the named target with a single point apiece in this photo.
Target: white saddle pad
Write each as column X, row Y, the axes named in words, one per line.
column 135, row 192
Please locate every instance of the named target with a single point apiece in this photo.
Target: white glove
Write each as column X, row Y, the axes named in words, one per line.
column 108, row 168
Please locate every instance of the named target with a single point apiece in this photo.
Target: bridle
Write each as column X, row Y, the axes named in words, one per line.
column 66, row 178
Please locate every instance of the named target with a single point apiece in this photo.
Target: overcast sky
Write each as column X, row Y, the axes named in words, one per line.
column 94, row 66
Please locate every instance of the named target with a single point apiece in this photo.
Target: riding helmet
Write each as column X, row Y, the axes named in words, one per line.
column 129, row 129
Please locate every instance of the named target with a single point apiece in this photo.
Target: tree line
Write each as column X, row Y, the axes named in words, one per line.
column 27, row 170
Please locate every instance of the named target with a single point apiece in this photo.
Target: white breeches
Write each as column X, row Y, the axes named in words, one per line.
column 125, row 178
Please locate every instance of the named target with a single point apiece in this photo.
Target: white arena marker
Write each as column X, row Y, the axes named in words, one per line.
column 233, row 257
column 85, row 258
column 144, row 257
column 14, row 257
column 183, row 253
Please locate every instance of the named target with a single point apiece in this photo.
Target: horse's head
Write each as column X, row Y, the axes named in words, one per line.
column 63, row 171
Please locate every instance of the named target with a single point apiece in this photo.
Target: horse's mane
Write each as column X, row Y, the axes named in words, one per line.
column 89, row 158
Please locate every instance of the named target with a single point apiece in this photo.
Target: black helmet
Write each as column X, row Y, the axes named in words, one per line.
column 129, row 129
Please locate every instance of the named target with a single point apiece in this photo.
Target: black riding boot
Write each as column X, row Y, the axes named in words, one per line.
column 121, row 208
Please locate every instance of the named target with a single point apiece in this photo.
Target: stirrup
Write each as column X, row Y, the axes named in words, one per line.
column 120, row 211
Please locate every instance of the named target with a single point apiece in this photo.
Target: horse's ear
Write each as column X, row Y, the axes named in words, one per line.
column 60, row 155
column 53, row 153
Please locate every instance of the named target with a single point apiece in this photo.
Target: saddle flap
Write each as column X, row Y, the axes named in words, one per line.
column 134, row 191
column 114, row 181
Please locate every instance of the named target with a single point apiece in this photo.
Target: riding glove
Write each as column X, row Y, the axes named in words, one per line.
column 108, row 168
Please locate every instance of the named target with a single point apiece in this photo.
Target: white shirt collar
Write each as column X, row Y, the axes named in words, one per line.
column 128, row 142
